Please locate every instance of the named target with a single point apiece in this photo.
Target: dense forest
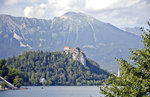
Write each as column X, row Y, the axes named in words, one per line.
column 12, row 75
column 57, row 68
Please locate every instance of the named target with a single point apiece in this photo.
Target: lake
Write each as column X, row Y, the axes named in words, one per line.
column 54, row 91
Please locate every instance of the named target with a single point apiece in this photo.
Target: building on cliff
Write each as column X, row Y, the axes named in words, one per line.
column 77, row 54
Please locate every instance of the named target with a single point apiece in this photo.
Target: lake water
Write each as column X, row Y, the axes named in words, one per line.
column 54, row 91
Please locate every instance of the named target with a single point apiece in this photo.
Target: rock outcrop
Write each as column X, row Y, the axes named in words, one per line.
column 77, row 54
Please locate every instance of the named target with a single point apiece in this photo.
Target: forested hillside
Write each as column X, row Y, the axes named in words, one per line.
column 12, row 75
column 101, row 41
column 58, row 68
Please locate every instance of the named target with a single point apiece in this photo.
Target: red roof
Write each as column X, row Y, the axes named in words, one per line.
column 66, row 47
column 73, row 48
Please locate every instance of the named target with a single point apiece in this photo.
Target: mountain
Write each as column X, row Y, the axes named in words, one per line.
column 100, row 41
column 58, row 68
column 134, row 30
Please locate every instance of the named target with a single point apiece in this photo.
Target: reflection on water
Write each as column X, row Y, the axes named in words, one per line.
column 54, row 91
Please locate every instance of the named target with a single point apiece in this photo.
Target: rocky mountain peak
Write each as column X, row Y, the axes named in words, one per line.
column 77, row 16
column 71, row 13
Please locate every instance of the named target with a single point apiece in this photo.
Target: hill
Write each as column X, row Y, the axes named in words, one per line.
column 100, row 41
column 58, row 68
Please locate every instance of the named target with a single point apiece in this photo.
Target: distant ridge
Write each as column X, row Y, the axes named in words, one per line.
column 100, row 41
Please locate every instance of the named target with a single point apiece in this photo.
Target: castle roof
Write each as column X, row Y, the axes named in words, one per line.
column 66, row 47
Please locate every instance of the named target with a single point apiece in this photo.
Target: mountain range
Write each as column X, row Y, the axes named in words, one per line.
column 99, row 41
column 135, row 30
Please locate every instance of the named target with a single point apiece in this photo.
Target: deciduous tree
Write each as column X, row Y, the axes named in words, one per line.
column 18, row 81
column 134, row 79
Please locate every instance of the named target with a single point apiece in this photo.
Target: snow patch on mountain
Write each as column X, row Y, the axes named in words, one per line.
column 88, row 46
column 17, row 37
column 64, row 17
column 0, row 32
column 93, row 31
column 29, row 46
column 40, row 44
column 25, row 45
column 22, row 45
column 102, row 44
column 41, row 39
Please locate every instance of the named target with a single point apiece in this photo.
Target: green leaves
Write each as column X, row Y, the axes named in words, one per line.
column 57, row 68
column 12, row 75
column 18, row 81
column 3, row 85
column 3, row 68
column 134, row 79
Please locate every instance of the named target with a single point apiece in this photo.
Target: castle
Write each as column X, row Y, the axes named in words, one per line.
column 77, row 54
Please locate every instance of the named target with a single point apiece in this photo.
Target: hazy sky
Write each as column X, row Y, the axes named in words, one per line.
column 116, row 12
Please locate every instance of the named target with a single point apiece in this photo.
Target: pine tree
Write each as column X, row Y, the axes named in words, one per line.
column 134, row 79
column 18, row 81
column 3, row 68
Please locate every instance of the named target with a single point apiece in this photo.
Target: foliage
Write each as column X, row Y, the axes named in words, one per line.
column 12, row 73
column 134, row 79
column 3, row 85
column 9, row 73
column 3, row 68
column 58, row 68
column 18, row 81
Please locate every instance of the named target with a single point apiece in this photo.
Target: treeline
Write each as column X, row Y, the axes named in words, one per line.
column 11, row 74
column 57, row 68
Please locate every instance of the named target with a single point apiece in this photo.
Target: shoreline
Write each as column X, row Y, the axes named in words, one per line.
column 3, row 89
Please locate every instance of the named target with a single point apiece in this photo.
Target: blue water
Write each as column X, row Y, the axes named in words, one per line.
column 54, row 91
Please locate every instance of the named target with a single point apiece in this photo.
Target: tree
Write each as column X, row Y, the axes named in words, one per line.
column 18, row 81
column 3, row 68
column 3, row 85
column 56, row 67
column 134, row 79
column 12, row 73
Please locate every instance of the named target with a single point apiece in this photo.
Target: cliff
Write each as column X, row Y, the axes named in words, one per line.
column 77, row 54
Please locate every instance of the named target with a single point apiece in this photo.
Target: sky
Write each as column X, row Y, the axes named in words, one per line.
column 121, row 13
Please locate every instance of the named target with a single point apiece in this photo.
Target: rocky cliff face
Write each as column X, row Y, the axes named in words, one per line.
column 77, row 54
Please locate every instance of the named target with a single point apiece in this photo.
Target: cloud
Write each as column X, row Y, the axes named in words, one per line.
column 14, row 2
column 124, row 3
column 117, row 12
column 50, row 8
column 99, row 4
column 53, row 8
column 59, row 7
column 11, row 2
column 36, row 11
column 124, row 12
